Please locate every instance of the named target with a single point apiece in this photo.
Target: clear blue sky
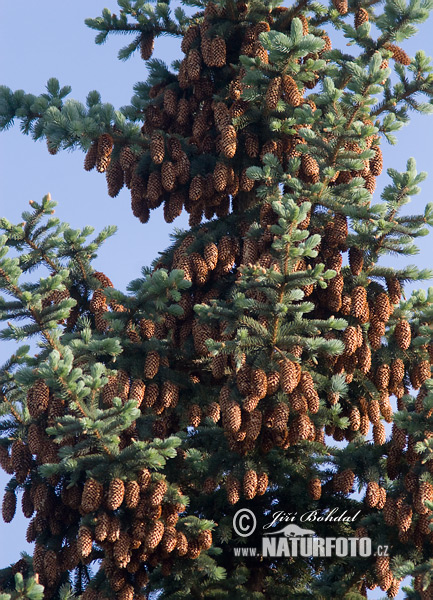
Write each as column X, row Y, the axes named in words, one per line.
column 51, row 40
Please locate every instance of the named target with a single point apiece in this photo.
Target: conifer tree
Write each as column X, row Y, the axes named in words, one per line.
column 226, row 374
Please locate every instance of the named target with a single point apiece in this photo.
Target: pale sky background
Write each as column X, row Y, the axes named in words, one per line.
column 51, row 40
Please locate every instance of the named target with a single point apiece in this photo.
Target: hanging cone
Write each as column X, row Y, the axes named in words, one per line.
column 341, row 6
column 115, row 495
column 273, row 93
column 250, row 484
column 402, row 334
column 92, row 496
column 218, row 50
column 146, row 46
column 233, row 489
column 398, row 54
column 291, row 92
column 91, row 156
column 361, row 17
column 315, row 488
column 356, row 260
column 394, row 290
column 157, row 148
column 9, row 506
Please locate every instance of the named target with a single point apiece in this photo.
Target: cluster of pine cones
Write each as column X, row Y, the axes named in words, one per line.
column 197, row 148
column 130, row 524
column 258, row 408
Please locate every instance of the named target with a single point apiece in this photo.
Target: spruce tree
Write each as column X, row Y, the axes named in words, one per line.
column 226, row 374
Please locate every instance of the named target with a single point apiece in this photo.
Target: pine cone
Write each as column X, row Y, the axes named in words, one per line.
column 273, row 93
column 361, row 17
column 218, row 50
column 115, row 178
column 382, row 307
column 92, row 496
column 232, row 416
column 193, row 65
column 154, row 535
column 341, row 6
column 355, row 419
column 115, row 495
column 379, row 435
column 359, row 299
column 374, row 411
column 382, row 376
column 38, row 398
column 147, row 43
column 289, row 376
column 182, row 544
column 84, row 541
column 309, row 165
column 214, row 412
column 229, row 141
column 104, row 150
column 151, row 364
column 250, row 484
column 194, row 415
column 376, row 163
column 356, row 260
column 262, row 484
column 233, row 489
column 398, row 54
column 291, row 92
column 315, row 488
column 394, row 290
column 402, row 334
column 372, row 494
column 252, row 145
column 157, row 148
column 91, row 156
column 9, row 506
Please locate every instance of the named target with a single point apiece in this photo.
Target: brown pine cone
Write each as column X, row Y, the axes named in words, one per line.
column 218, row 50
column 92, row 496
column 398, row 54
column 147, row 43
column 38, row 398
column 291, row 92
column 289, row 375
column 91, row 156
column 9, row 506
column 359, row 299
column 84, row 541
column 229, row 141
column 115, row 178
column 372, row 494
column 382, row 377
column 273, row 93
column 315, row 488
column 115, row 494
column 252, row 145
column 194, row 415
column 250, row 484
column 356, row 260
column 151, row 364
column 341, row 6
column 379, row 435
column 402, row 334
column 104, row 150
column 157, row 148
column 233, row 489
column 394, row 290
column 154, row 535
column 361, row 17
